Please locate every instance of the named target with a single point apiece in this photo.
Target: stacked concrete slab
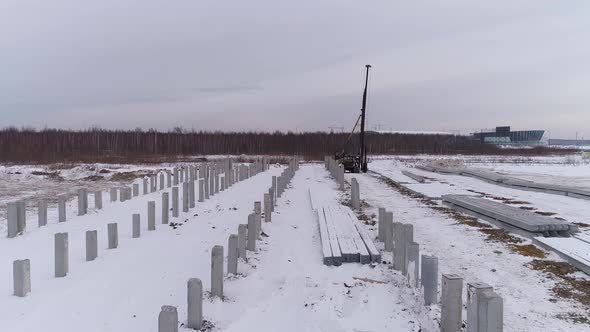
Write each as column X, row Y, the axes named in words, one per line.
column 509, row 215
column 512, row 182
column 344, row 240
column 414, row 177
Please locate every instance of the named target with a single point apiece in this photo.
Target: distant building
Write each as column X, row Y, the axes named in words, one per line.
column 504, row 136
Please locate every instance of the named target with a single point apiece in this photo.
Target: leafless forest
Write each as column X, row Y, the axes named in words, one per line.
column 99, row 145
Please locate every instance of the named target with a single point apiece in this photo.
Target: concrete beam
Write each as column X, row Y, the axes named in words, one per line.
column 201, row 190
column 136, row 225
column 91, row 245
column 98, row 199
column 12, row 219
column 242, row 236
column 413, row 264
column 185, row 196
column 175, row 206
column 61, row 207
column 381, row 225
column 21, row 272
column 252, row 236
column 354, row 194
column 165, row 208
column 113, row 193
column 61, row 255
column 168, row 319
column 191, row 193
column 21, row 215
column 429, row 279
column 267, row 208
column 195, row 304
column 217, row 271
column 42, row 213
column 232, row 254
column 388, row 228
column 82, row 202
column 408, row 238
column 491, row 312
column 113, row 235
column 451, row 303
column 151, row 215
column 474, row 291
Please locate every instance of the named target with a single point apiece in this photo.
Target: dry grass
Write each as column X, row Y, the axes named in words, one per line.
column 574, row 317
column 529, row 208
column 527, row 250
column 500, row 235
column 547, row 214
column 52, row 175
column 129, row 176
column 568, row 286
column 515, row 202
column 93, row 178
column 460, row 217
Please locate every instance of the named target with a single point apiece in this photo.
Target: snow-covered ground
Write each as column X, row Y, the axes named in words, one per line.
column 47, row 181
column 462, row 249
column 284, row 286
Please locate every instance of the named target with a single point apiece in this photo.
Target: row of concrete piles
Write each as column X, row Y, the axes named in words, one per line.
column 484, row 306
column 211, row 174
column 238, row 246
column 16, row 211
column 336, row 170
column 22, row 267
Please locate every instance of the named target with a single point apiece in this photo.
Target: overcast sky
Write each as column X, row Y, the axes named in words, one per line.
column 296, row 65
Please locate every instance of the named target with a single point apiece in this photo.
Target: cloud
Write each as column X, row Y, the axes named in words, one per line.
column 266, row 65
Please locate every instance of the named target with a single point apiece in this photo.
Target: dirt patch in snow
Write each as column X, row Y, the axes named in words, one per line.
column 529, row 208
column 547, row 214
column 367, row 220
column 460, row 217
column 399, row 188
column 574, row 317
column 477, row 192
column 557, row 269
column 500, row 235
column 528, row 250
column 579, row 224
column 93, row 178
column 514, row 202
column 52, row 175
column 568, row 286
column 128, row 176
column 504, row 200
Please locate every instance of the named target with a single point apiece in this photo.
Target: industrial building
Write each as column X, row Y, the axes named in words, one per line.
column 504, row 136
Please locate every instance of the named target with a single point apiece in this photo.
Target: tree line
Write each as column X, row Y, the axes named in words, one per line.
column 27, row 145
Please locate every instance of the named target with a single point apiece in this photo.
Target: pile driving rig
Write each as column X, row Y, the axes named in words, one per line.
column 356, row 163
